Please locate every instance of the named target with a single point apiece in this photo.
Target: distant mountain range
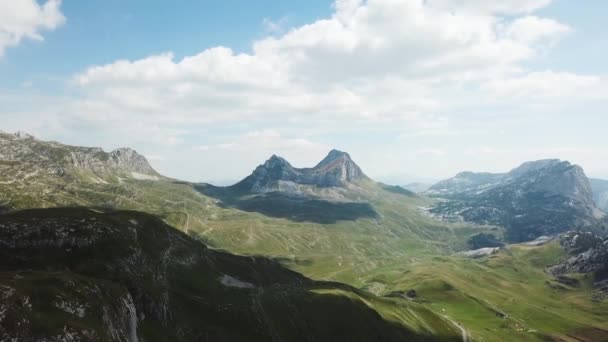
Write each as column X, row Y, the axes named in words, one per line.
column 538, row 198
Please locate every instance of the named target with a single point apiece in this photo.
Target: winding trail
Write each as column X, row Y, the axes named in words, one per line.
column 465, row 334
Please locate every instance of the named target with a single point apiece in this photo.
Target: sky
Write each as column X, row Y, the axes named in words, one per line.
column 414, row 90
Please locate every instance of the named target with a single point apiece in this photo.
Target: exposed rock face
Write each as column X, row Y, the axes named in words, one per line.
column 128, row 159
column 83, row 275
column 600, row 193
column 589, row 254
column 538, row 198
column 336, row 170
column 578, row 242
column 59, row 159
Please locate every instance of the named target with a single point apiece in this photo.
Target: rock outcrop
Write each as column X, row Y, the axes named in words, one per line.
column 588, row 254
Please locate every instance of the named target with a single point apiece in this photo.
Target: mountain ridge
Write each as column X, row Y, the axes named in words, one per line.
column 64, row 159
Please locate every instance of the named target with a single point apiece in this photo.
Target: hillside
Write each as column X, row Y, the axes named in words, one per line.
column 86, row 275
column 538, row 198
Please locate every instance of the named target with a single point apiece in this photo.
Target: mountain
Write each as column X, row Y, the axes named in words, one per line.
column 336, row 189
column 538, row 198
column 86, row 275
column 600, row 193
column 53, row 158
column 335, row 170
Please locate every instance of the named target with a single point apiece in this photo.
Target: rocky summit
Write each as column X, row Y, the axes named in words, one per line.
column 538, row 198
column 335, row 170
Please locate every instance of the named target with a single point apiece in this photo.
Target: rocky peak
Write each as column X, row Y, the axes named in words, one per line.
column 336, row 169
column 556, row 177
column 129, row 159
column 333, row 156
column 276, row 161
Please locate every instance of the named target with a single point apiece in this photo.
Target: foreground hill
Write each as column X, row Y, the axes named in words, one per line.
column 538, row 198
column 79, row 274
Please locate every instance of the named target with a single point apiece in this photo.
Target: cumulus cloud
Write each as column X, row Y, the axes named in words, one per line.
column 26, row 19
column 377, row 60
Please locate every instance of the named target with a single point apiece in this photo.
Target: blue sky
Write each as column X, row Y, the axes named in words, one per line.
column 414, row 90
column 100, row 32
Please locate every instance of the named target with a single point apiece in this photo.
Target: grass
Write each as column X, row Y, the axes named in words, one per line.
column 397, row 249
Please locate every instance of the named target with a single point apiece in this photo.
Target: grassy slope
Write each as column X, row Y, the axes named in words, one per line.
column 399, row 250
column 475, row 292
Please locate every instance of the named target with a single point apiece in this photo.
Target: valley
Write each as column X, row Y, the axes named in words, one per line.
column 332, row 223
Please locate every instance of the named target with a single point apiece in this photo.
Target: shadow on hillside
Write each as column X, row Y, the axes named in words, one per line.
column 264, row 301
column 293, row 208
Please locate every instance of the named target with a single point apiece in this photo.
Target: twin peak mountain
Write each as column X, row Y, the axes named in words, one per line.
column 335, row 170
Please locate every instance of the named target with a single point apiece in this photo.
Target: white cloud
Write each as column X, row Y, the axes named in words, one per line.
column 491, row 6
column 413, row 70
column 547, row 84
column 25, row 19
column 531, row 29
column 381, row 61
